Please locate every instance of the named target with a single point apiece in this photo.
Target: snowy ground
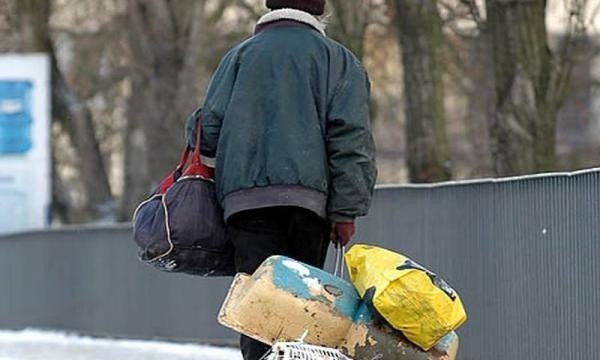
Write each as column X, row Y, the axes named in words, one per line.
column 43, row 345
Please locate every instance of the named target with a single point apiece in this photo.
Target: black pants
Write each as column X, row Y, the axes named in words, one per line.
column 257, row 234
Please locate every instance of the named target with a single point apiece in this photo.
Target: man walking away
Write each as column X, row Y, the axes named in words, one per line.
column 285, row 123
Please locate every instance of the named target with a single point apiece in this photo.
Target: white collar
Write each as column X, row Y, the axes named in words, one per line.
column 293, row 14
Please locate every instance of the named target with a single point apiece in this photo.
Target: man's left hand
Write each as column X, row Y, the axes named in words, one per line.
column 342, row 232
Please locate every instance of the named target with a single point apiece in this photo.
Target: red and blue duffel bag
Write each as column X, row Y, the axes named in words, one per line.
column 180, row 228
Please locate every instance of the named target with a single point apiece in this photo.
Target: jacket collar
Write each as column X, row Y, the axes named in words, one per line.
column 294, row 15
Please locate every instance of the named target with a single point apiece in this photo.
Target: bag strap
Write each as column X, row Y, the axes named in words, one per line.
column 196, row 155
column 340, row 262
column 168, row 181
column 197, row 169
column 183, row 160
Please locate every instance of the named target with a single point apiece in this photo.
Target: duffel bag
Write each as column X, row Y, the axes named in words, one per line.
column 180, row 227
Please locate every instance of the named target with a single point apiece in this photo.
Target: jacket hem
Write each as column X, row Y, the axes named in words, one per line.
column 275, row 195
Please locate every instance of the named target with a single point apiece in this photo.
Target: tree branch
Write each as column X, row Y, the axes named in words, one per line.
column 565, row 58
column 245, row 5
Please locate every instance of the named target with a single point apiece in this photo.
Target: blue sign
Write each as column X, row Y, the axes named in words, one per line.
column 15, row 117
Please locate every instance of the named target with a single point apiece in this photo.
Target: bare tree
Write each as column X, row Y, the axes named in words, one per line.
column 73, row 115
column 531, row 82
column 172, row 53
column 348, row 23
column 469, row 77
column 420, row 34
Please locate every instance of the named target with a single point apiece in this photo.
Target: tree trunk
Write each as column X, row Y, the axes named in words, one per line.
column 420, row 35
column 73, row 114
column 480, row 108
column 349, row 23
column 523, row 129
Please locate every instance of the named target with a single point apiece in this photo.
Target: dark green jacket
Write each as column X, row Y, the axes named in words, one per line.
column 289, row 107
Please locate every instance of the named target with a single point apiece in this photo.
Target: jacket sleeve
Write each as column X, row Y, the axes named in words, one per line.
column 214, row 108
column 350, row 147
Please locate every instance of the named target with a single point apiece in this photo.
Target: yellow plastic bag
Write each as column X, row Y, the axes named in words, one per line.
column 411, row 298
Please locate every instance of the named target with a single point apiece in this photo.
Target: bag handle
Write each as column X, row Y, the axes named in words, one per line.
column 197, row 169
column 183, row 160
column 196, row 164
column 167, row 182
column 340, row 262
column 196, row 160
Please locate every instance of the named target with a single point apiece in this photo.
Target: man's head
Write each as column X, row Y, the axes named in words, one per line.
column 314, row 7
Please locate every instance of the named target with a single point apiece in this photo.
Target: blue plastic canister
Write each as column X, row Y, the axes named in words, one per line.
column 15, row 117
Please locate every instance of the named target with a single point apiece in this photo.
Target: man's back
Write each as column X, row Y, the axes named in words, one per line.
column 273, row 97
column 287, row 117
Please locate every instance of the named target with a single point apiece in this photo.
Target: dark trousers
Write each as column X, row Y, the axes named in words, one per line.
column 257, row 234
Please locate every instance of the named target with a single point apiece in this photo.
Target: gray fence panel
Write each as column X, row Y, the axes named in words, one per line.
column 522, row 253
column 90, row 280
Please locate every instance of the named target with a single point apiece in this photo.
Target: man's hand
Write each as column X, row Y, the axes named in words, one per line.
column 342, row 232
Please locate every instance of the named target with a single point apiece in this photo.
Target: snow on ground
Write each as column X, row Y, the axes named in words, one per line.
column 45, row 345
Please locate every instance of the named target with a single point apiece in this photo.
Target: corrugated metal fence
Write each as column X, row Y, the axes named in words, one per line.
column 523, row 253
